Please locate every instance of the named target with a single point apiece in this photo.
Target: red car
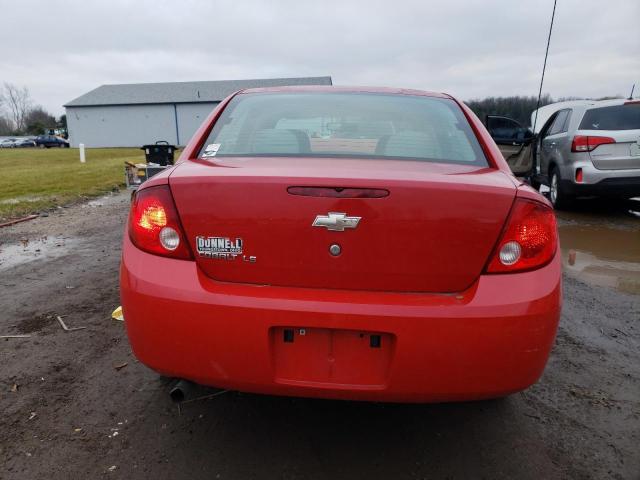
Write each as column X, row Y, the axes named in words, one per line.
column 348, row 243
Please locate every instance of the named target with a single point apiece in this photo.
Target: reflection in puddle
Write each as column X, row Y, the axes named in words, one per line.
column 29, row 250
column 602, row 249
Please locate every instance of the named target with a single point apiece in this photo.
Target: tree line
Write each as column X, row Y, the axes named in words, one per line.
column 517, row 107
column 20, row 116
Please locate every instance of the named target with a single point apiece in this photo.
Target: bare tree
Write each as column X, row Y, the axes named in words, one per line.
column 18, row 101
column 6, row 127
column 5, row 124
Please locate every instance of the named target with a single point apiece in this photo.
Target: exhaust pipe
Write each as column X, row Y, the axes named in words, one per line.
column 181, row 390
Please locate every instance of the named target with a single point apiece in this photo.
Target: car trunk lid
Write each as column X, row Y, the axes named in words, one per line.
column 422, row 227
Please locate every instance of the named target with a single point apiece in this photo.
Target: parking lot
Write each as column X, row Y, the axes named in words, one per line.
column 78, row 405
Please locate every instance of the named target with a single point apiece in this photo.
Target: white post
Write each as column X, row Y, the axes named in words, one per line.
column 82, row 158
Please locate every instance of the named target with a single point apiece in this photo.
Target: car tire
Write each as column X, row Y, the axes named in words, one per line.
column 557, row 194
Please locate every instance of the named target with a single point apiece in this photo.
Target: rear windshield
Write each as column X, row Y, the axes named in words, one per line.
column 344, row 125
column 617, row 117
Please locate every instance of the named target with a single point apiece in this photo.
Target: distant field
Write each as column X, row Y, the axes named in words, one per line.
column 32, row 180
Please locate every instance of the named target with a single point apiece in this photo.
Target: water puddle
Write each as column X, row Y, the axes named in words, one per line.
column 602, row 248
column 29, row 250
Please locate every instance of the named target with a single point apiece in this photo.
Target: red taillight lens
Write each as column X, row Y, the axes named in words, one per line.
column 584, row 143
column 579, row 175
column 529, row 241
column 154, row 225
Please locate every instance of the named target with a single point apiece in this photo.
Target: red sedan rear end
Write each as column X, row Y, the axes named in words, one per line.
column 329, row 242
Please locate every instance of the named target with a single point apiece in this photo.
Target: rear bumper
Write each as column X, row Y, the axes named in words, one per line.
column 491, row 340
column 622, row 187
column 598, row 182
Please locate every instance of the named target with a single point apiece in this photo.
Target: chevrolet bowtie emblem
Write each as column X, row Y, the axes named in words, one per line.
column 336, row 222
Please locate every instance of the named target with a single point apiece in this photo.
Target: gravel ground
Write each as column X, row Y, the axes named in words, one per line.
column 67, row 411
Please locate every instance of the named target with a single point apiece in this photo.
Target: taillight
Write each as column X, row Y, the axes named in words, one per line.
column 529, row 241
column 586, row 143
column 154, row 225
column 579, row 175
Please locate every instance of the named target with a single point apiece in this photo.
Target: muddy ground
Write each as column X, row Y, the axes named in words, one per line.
column 67, row 411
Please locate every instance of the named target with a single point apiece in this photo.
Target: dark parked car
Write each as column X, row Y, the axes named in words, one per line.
column 48, row 141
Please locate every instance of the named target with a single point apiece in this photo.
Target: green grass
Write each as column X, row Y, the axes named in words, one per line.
column 32, row 180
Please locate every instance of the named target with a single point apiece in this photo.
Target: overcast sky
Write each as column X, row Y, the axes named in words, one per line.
column 471, row 49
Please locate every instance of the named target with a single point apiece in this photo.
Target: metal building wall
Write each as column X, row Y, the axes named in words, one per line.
column 190, row 117
column 135, row 125
column 121, row 126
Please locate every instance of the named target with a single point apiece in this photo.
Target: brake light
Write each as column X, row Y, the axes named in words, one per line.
column 154, row 225
column 529, row 241
column 587, row 143
column 338, row 192
column 579, row 175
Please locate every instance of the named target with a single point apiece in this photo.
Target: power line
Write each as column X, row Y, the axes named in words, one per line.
column 544, row 67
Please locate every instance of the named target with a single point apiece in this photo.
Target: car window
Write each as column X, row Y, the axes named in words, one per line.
column 369, row 125
column 616, row 117
column 560, row 123
column 565, row 126
column 503, row 128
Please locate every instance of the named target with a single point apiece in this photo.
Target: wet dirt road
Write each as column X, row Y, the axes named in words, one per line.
column 74, row 415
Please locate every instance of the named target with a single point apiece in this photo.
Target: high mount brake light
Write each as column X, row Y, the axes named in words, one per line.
column 529, row 241
column 584, row 143
column 154, row 225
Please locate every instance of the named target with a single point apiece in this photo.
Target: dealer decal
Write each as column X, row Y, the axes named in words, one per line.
column 211, row 150
column 223, row 248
